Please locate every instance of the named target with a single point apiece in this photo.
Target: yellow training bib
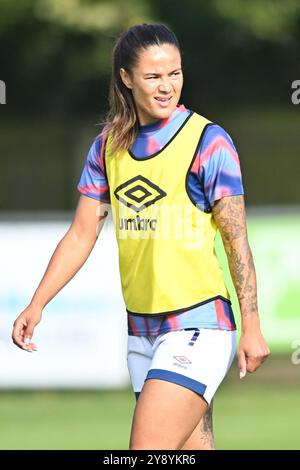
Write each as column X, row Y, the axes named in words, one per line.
column 166, row 243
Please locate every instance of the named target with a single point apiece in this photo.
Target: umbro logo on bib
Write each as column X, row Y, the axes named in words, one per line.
column 139, row 193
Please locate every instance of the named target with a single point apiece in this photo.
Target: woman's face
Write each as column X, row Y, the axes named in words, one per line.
column 156, row 82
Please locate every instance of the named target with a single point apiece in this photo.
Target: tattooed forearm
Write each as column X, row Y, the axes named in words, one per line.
column 229, row 214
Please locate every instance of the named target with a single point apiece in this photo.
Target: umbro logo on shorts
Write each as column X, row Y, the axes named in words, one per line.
column 182, row 360
column 139, row 193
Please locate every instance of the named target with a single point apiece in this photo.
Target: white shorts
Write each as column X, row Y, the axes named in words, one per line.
column 197, row 359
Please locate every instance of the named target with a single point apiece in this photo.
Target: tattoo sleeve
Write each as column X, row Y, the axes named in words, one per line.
column 230, row 217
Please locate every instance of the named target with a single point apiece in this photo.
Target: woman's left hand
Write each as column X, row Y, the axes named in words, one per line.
column 253, row 350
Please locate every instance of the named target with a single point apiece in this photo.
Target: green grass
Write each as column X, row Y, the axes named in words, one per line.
column 65, row 420
column 257, row 418
column 260, row 412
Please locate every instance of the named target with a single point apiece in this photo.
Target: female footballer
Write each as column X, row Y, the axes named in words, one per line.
column 172, row 179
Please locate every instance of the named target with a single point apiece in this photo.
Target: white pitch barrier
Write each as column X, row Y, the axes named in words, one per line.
column 82, row 336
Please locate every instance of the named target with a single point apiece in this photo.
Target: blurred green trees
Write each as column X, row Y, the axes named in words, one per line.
column 240, row 59
column 55, row 54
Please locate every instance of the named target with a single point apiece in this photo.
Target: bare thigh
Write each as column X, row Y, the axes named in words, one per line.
column 165, row 416
column 202, row 437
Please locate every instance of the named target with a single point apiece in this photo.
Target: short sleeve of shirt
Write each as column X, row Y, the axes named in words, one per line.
column 220, row 170
column 93, row 182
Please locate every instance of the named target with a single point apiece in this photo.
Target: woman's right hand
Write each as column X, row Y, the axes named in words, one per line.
column 70, row 254
column 24, row 327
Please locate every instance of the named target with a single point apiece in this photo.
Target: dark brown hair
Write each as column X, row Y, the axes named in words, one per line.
column 121, row 121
